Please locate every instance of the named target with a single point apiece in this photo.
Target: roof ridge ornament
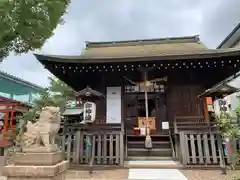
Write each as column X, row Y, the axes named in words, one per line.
column 88, row 91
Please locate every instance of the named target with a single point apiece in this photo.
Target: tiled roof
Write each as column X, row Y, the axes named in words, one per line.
column 200, row 54
column 168, row 40
column 20, row 81
column 143, row 48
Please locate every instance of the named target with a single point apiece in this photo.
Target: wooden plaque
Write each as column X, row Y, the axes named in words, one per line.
column 142, row 122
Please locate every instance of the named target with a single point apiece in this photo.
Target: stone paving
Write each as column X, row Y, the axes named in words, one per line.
column 211, row 175
column 124, row 175
column 100, row 174
column 143, row 174
column 156, row 174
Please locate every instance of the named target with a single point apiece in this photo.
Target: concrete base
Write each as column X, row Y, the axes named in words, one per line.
column 40, row 149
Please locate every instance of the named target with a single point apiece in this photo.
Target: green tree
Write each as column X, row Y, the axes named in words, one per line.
column 61, row 93
column 56, row 94
column 26, row 24
column 227, row 127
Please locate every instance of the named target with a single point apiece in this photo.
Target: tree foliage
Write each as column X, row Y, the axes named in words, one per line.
column 56, row 94
column 230, row 130
column 26, row 24
column 227, row 126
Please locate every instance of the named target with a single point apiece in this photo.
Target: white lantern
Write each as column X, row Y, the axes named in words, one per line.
column 89, row 113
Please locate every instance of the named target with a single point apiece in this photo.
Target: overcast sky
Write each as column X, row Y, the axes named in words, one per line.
column 108, row 20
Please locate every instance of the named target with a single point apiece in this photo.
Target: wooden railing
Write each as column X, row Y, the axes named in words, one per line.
column 172, row 144
column 203, row 149
column 192, row 123
column 101, row 143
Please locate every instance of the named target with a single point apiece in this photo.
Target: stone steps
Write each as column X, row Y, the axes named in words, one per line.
column 146, row 158
column 153, row 164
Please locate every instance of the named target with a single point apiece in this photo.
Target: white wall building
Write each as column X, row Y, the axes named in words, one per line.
column 232, row 41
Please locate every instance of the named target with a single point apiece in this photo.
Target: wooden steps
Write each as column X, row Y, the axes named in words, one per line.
column 149, row 152
column 156, row 144
column 148, row 158
column 161, row 146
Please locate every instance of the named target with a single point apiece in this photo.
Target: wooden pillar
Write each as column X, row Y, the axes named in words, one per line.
column 205, row 109
column 6, row 116
column 11, row 119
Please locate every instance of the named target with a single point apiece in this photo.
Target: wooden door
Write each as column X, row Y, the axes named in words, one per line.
column 130, row 111
column 161, row 112
column 183, row 101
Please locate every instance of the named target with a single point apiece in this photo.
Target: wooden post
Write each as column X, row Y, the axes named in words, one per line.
column 77, row 147
column 99, row 148
column 183, row 147
column 121, row 149
column 11, row 119
column 117, row 149
column 92, row 155
column 177, row 148
column 69, row 144
column 221, row 153
column 6, row 116
column 146, row 95
column 205, row 109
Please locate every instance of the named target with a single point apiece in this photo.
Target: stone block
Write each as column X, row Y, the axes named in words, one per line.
column 40, row 149
column 22, row 172
column 34, row 158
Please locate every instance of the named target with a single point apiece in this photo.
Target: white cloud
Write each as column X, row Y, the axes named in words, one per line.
column 108, row 20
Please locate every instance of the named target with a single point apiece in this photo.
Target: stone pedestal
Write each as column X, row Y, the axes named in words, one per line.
column 32, row 164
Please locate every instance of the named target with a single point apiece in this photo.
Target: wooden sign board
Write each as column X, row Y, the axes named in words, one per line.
column 142, row 122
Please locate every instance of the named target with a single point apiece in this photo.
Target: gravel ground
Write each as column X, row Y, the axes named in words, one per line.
column 101, row 174
column 210, row 175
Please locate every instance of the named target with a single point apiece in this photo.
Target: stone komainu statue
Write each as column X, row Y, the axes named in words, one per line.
column 44, row 131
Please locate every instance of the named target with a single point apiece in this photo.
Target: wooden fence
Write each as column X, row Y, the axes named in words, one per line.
column 203, row 148
column 104, row 145
column 192, row 123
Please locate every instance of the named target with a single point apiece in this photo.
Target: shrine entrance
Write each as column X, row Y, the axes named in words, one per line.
column 142, row 108
column 141, row 113
column 157, row 114
column 135, row 112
